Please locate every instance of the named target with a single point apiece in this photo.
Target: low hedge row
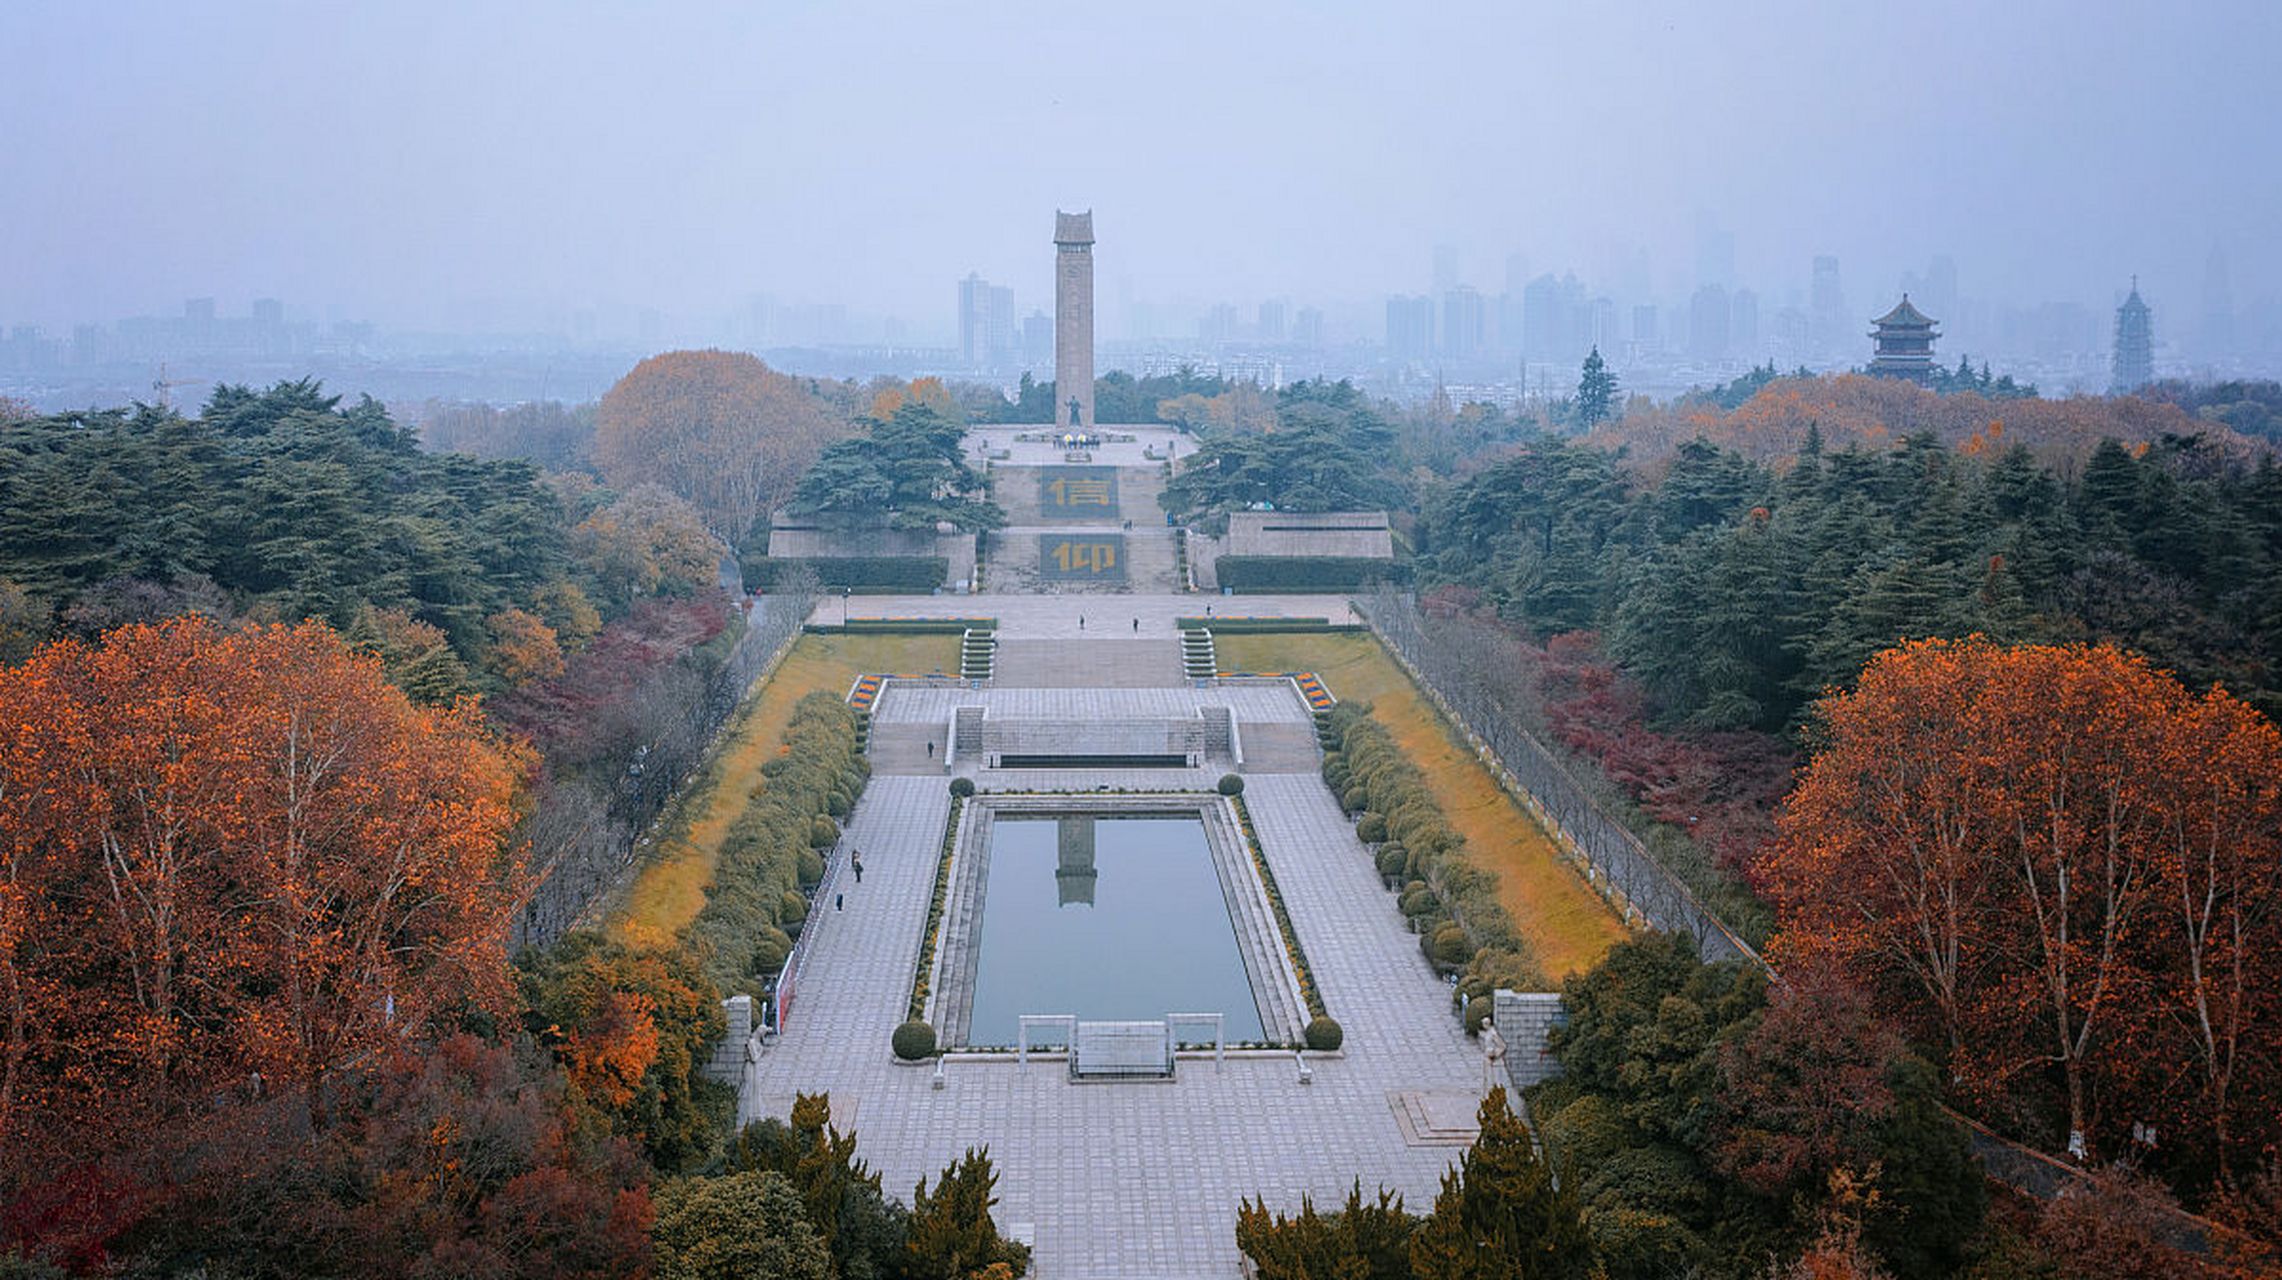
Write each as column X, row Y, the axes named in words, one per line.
column 1244, row 626
column 1451, row 903
column 757, row 901
column 1270, row 574
column 891, row 575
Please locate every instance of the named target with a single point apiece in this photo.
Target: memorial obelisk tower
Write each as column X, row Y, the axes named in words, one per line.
column 1073, row 320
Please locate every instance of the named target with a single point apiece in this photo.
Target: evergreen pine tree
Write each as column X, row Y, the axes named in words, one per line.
column 1502, row 1215
column 1596, row 392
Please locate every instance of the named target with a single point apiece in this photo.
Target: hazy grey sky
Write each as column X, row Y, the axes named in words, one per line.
column 407, row 161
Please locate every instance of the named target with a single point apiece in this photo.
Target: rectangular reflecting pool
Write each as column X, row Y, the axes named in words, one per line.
column 1106, row 917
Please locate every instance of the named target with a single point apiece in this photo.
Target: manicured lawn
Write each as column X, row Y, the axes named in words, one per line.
column 1567, row 924
column 669, row 890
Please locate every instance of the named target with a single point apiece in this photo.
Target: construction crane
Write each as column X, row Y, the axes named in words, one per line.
column 165, row 385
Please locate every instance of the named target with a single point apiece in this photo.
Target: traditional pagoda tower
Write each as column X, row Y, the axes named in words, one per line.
column 1905, row 343
column 2135, row 343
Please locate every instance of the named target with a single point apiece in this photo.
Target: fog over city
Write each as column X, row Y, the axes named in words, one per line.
column 815, row 175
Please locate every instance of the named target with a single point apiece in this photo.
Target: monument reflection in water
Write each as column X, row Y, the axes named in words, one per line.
column 1108, row 918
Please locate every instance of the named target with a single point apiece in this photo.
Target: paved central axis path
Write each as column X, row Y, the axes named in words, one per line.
column 1122, row 1180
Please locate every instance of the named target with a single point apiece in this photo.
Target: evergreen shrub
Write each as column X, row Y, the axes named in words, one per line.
column 914, row 1040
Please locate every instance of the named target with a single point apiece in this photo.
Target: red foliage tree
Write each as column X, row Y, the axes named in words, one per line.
column 230, row 863
column 2063, row 865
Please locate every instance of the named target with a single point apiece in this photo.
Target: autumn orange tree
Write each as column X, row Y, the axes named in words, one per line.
column 718, row 428
column 2061, row 866
column 232, row 863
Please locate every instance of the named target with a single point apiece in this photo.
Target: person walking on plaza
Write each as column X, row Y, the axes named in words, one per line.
column 856, row 864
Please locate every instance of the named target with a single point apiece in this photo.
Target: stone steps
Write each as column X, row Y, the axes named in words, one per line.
column 1200, row 658
column 978, row 654
column 1278, row 747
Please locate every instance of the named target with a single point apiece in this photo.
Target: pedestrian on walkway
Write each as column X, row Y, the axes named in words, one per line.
column 839, row 901
column 930, row 748
column 856, row 864
column 1081, row 622
column 1136, row 624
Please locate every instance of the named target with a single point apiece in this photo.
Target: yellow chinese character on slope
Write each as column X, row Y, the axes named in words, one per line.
column 1089, row 557
column 1079, row 493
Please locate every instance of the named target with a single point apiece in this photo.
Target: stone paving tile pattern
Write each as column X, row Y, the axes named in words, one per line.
column 1130, row 1179
column 1095, row 664
column 929, row 703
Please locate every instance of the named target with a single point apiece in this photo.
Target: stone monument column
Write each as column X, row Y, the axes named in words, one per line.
column 1073, row 320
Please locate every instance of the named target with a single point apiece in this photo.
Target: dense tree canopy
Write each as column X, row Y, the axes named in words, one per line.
column 1325, row 453
column 282, row 503
column 910, row 468
column 718, row 428
column 1736, row 595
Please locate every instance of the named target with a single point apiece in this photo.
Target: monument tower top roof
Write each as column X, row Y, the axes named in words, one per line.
column 1073, row 228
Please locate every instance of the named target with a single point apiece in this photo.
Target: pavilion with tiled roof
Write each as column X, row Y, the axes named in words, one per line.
column 1905, row 343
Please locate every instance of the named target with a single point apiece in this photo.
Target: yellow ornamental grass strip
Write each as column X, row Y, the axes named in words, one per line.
column 1565, row 924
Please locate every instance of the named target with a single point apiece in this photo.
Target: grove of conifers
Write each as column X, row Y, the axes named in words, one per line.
column 301, row 722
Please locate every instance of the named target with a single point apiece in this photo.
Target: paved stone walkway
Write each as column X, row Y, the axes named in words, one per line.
column 1025, row 616
column 1130, row 1180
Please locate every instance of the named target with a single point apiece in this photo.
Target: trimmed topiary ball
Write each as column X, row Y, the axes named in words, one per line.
column 1449, row 947
column 823, row 833
column 1372, row 829
column 1231, row 785
column 962, row 787
column 1393, row 859
column 810, row 868
column 791, row 909
column 1323, row 1035
column 1477, row 1015
column 914, row 1040
column 1355, row 798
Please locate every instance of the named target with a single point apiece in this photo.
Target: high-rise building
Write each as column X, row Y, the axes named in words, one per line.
column 1307, row 327
column 1410, row 327
column 269, row 312
column 1743, row 324
column 2135, row 343
column 1644, row 327
column 1707, row 323
column 1038, row 341
column 1827, row 305
column 1465, row 323
column 1073, row 318
column 1556, row 321
column 986, row 322
column 1272, row 321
